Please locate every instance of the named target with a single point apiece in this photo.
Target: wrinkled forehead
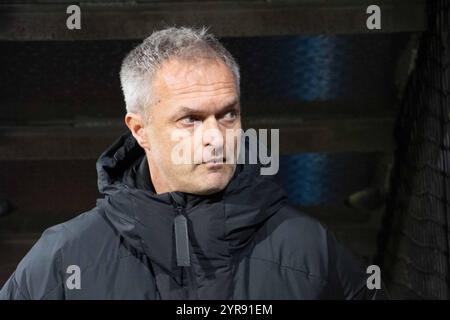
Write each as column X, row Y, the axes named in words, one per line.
column 202, row 77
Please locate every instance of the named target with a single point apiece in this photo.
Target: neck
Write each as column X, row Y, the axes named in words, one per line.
column 156, row 179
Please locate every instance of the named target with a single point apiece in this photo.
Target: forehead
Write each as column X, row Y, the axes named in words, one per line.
column 188, row 79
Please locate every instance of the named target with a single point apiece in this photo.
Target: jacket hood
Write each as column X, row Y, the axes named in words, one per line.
column 219, row 226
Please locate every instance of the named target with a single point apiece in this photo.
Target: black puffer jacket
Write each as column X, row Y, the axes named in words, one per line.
column 245, row 242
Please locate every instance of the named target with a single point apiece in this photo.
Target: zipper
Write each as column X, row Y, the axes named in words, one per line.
column 182, row 249
column 181, row 238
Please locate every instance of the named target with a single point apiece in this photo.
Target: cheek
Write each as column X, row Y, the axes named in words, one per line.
column 159, row 139
column 231, row 143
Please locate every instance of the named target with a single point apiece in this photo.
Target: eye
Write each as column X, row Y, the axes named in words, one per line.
column 189, row 120
column 230, row 115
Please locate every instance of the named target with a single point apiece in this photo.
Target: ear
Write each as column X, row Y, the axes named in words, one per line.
column 136, row 124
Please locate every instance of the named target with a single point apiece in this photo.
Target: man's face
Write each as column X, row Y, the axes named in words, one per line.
column 195, row 103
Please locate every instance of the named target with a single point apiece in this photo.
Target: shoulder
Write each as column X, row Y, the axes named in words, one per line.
column 296, row 223
column 82, row 236
column 80, row 241
column 294, row 240
column 292, row 228
column 87, row 233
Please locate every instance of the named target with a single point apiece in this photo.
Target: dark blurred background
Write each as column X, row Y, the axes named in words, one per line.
column 335, row 89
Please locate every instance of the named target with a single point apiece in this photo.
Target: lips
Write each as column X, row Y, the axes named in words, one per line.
column 215, row 161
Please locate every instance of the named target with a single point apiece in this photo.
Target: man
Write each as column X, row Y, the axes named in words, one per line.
column 207, row 228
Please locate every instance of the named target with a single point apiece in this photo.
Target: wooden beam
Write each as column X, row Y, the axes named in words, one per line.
column 296, row 135
column 347, row 134
column 136, row 20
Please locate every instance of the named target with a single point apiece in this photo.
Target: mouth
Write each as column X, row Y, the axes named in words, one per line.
column 214, row 163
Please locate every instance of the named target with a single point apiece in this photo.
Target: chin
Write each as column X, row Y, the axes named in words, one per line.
column 212, row 182
column 211, row 187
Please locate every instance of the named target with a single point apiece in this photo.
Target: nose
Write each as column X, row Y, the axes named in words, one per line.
column 212, row 137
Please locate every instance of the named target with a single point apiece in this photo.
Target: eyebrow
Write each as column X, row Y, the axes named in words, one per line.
column 229, row 106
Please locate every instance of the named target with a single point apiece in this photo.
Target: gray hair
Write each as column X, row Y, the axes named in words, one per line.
column 141, row 64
